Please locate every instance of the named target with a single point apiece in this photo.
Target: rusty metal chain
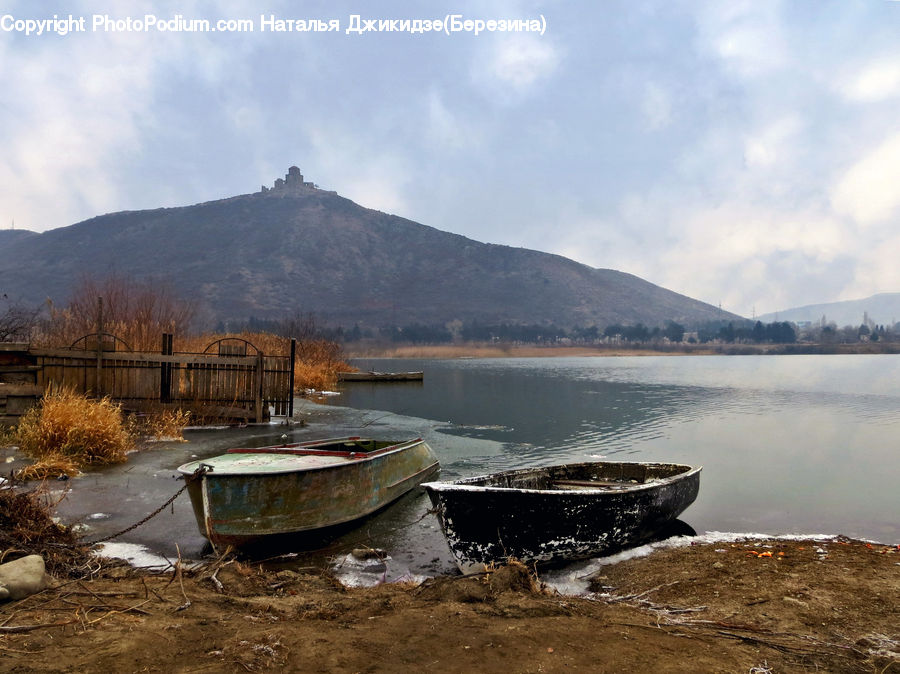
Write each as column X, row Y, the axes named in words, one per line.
column 196, row 475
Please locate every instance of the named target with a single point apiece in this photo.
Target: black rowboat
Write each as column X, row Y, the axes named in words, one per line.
column 563, row 512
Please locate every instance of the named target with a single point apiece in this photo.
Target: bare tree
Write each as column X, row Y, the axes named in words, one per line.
column 16, row 320
column 136, row 311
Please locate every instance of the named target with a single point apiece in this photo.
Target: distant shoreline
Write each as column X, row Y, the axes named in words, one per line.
column 478, row 350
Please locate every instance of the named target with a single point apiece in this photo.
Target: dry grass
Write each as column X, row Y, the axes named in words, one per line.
column 161, row 424
column 7, row 436
column 69, row 429
column 48, row 467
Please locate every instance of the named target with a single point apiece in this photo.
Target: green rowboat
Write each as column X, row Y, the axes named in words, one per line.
column 247, row 495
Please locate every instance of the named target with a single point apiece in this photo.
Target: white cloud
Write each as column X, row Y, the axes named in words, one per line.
column 868, row 192
column 771, row 144
column 350, row 165
column 745, row 256
column 656, row 107
column 63, row 131
column 748, row 37
column 517, row 62
column 876, row 269
column 877, row 81
column 444, row 128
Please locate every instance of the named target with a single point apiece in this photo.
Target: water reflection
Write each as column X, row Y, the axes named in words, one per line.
column 788, row 443
column 792, row 444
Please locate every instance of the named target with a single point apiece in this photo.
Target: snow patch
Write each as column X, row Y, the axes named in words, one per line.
column 136, row 555
column 574, row 579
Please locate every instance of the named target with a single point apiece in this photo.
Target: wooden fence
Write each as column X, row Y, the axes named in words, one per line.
column 237, row 381
column 18, row 390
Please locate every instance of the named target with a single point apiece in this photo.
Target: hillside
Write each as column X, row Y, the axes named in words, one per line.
column 295, row 247
column 9, row 236
column 883, row 309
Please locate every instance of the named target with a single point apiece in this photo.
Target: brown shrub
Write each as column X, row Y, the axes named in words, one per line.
column 161, row 424
column 68, row 428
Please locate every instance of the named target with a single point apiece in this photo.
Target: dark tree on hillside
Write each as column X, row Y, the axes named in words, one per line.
column 417, row 333
column 673, row 331
column 781, row 333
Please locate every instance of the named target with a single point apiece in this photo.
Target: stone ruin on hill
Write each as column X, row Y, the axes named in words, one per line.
column 292, row 182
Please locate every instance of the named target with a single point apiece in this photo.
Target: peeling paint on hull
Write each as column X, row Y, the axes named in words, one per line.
column 564, row 512
column 252, row 495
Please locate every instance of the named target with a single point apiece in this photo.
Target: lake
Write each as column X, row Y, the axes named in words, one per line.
column 788, row 444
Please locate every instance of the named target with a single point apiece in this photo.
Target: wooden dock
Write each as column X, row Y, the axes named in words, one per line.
column 380, row 376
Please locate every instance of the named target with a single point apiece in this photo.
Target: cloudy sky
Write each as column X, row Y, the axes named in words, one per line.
column 742, row 153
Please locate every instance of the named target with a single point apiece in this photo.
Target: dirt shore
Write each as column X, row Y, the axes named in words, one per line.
column 757, row 606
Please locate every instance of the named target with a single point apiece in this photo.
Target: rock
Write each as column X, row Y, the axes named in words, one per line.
column 792, row 600
column 23, row 577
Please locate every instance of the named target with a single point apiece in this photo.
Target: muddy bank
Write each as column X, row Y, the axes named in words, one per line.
column 773, row 605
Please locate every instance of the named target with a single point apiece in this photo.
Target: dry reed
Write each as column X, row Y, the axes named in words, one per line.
column 47, row 467
column 27, row 527
column 161, row 424
column 69, row 427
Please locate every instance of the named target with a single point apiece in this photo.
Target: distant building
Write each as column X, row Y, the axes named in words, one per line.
column 292, row 181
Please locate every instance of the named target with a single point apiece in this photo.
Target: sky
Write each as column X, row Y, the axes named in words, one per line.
column 744, row 153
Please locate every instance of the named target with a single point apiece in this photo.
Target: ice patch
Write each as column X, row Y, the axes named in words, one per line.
column 136, row 555
column 351, row 571
column 314, row 392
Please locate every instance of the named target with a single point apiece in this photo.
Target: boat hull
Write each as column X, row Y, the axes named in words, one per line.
column 521, row 515
column 239, row 505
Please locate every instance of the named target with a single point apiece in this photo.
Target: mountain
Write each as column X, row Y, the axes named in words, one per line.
column 8, row 236
column 881, row 309
column 295, row 247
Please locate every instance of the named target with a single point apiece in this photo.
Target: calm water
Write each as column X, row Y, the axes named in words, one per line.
column 788, row 444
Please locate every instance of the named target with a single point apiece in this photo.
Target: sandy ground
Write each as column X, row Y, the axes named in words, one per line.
column 750, row 606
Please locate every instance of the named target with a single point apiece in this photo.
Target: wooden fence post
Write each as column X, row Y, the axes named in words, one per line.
column 260, row 374
column 165, row 370
column 99, row 347
column 290, row 392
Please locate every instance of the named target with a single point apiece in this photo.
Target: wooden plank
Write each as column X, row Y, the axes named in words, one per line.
column 154, row 358
column 21, row 390
column 252, row 383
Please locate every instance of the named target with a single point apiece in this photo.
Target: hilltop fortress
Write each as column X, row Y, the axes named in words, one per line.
column 292, row 182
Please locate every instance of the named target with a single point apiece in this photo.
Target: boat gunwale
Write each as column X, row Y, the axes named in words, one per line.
column 303, row 530
column 360, row 458
column 468, row 484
